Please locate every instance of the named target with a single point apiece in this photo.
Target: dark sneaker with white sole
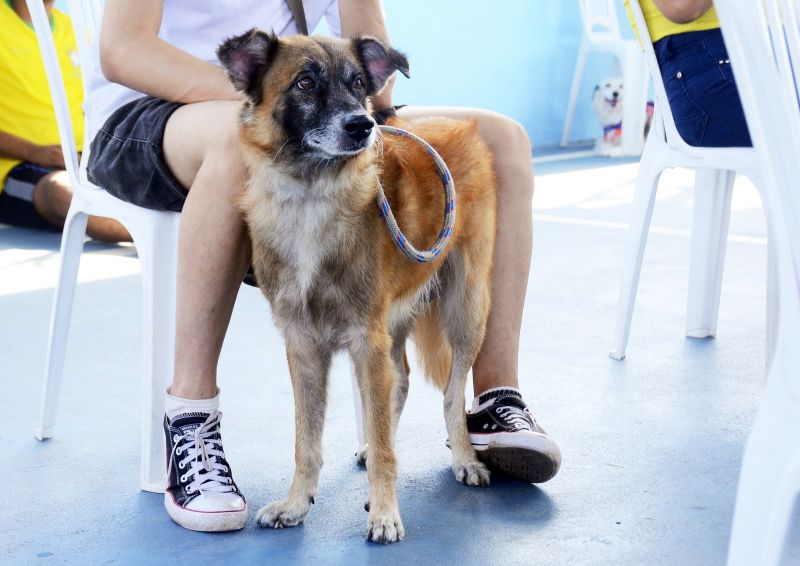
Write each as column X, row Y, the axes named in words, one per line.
column 201, row 494
column 508, row 439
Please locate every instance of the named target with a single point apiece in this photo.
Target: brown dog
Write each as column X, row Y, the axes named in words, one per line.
column 326, row 262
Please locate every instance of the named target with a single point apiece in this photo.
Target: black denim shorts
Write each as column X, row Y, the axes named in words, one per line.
column 127, row 156
column 701, row 89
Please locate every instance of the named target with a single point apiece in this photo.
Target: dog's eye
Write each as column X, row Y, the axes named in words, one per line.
column 306, row 83
column 358, row 84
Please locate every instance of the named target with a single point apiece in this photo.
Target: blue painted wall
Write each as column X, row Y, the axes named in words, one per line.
column 512, row 56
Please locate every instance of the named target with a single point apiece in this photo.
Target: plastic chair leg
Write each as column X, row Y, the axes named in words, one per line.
column 769, row 482
column 643, row 202
column 71, row 248
column 573, row 95
column 772, row 303
column 712, row 212
column 634, row 72
column 158, row 252
column 358, row 406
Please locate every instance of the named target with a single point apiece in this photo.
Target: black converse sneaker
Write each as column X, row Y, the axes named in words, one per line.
column 507, row 437
column 201, row 494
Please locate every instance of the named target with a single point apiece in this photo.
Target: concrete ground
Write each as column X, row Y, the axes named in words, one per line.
column 651, row 445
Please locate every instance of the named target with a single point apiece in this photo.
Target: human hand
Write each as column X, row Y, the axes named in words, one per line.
column 46, row 156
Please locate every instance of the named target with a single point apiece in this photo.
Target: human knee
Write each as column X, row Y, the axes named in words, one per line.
column 226, row 145
column 512, row 151
column 52, row 196
column 508, row 138
column 224, row 160
column 56, row 182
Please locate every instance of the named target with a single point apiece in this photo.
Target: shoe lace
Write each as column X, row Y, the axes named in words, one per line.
column 515, row 417
column 203, row 449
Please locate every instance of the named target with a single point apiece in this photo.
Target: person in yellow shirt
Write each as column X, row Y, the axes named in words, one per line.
column 34, row 187
column 696, row 70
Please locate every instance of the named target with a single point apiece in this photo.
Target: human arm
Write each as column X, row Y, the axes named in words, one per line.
column 683, row 11
column 132, row 54
column 14, row 147
column 365, row 17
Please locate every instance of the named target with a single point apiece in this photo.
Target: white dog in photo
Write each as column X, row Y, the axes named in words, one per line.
column 607, row 103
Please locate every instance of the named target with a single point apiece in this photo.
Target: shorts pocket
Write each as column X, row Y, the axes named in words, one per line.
column 127, row 169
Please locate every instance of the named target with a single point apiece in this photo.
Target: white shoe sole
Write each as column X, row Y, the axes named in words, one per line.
column 205, row 521
column 529, row 457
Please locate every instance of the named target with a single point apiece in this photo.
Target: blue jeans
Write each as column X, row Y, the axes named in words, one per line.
column 701, row 90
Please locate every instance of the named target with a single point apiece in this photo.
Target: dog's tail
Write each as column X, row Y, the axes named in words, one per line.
column 433, row 351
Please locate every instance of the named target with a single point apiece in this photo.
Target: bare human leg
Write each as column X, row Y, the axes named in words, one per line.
column 202, row 148
column 496, row 364
column 201, row 145
column 501, row 428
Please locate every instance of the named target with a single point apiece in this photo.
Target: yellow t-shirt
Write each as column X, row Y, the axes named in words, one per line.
column 26, row 109
column 660, row 27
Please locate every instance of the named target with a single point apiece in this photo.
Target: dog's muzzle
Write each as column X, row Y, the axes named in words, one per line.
column 359, row 127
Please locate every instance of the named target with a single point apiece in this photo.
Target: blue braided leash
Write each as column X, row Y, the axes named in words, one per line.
column 449, row 206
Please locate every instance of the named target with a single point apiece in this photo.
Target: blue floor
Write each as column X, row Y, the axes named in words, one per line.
column 651, row 446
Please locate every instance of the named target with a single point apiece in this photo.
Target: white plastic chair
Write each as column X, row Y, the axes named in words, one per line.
column 763, row 39
column 716, row 169
column 601, row 34
column 155, row 235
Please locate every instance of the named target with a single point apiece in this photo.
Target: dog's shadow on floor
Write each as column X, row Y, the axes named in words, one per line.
column 438, row 499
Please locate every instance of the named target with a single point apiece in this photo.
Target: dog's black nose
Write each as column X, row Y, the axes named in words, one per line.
column 359, row 126
column 615, row 94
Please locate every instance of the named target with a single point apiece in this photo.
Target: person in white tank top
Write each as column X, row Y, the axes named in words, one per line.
column 198, row 27
column 165, row 124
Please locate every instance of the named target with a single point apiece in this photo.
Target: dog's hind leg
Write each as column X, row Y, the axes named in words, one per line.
column 463, row 310
column 376, row 377
column 400, row 389
column 309, row 363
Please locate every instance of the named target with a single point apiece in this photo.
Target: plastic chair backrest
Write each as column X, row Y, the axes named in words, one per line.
column 600, row 20
column 83, row 14
column 763, row 39
column 673, row 138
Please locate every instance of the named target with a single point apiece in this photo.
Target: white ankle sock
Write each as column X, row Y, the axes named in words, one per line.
column 177, row 405
column 477, row 406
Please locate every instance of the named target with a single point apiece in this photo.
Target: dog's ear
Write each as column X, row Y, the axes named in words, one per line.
column 379, row 62
column 246, row 58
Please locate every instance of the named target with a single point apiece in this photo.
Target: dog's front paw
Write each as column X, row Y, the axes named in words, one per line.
column 385, row 526
column 286, row 513
column 361, row 455
column 471, row 472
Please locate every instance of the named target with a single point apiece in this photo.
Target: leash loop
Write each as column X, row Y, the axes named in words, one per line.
column 400, row 240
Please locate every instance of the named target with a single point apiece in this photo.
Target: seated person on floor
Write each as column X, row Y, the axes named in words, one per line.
column 34, row 187
column 696, row 70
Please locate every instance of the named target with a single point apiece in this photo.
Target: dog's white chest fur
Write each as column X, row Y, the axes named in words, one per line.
column 302, row 224
column 314, row 229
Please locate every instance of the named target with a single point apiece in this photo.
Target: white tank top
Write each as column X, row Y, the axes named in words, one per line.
column 198, row 27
